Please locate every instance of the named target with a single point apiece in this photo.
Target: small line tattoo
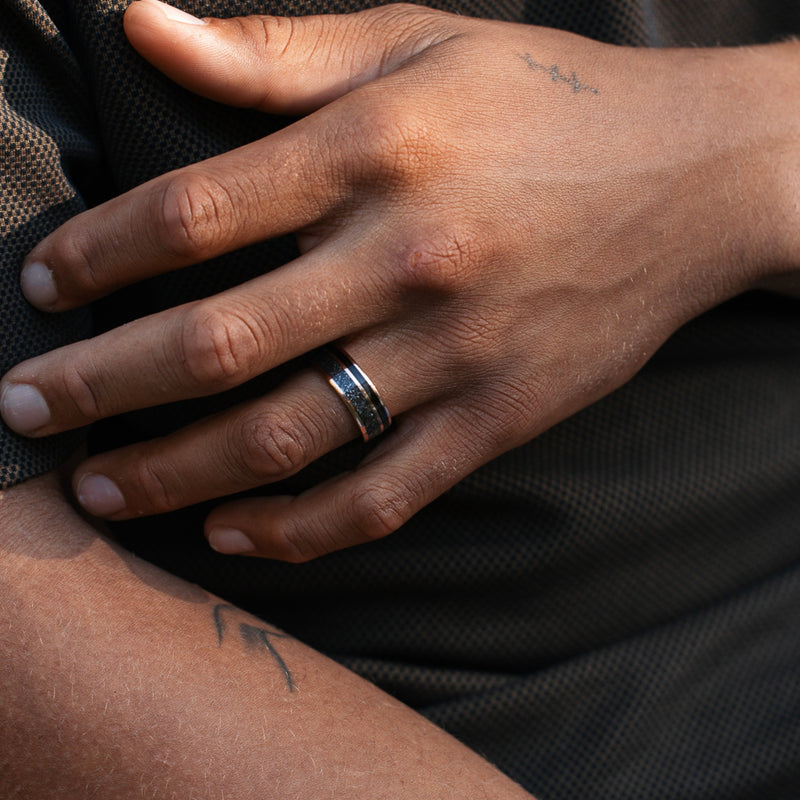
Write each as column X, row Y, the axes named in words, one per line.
column 254, row 637
column 219, row 622
column 557, row 76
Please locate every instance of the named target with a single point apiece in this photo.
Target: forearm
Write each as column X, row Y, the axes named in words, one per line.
column 120, row 680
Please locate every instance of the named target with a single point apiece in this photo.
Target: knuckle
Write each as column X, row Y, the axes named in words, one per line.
column 377, row 511
column 153, row 487
column 79, row 387
column 440, row 263
column 372, row 513
column 410, row 19
column 296, row 546
column 277, row 36
column 398, row 145
column 193, row 215
column 292, row 540
column 219, row 348
column 270, row 446
column 78, row 274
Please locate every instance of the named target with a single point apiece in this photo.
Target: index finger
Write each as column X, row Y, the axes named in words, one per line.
column 277, row 185
column 248, row 195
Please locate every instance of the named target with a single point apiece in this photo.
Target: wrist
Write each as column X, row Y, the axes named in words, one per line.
column 771, row 165
column 782, row 272
column 735, row 119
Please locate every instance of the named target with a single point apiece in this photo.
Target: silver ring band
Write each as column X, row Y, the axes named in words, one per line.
column 356, row 390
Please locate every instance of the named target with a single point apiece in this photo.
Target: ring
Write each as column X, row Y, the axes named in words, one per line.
column 356, row 390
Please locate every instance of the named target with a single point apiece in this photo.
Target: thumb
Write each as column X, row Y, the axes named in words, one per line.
column 286, row 65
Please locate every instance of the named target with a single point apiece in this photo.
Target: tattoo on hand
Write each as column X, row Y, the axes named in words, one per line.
column 557, row 76
column 254, row 637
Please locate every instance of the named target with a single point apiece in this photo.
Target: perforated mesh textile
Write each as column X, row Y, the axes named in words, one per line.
column 612, row 611
column 44, row 116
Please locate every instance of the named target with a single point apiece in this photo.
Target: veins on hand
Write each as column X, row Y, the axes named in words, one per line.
column 254, row 637
column 557, row 76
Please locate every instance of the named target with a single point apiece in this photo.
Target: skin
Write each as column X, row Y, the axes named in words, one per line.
column 501, row 223
column 174, row 694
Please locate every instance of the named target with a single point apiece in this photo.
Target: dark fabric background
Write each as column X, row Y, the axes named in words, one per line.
column 612, row 611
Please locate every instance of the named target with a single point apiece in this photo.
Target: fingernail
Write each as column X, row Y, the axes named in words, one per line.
column 99, row 495
column 38, row 285
column 23, row 408
column 229, row 541
column 175, row 14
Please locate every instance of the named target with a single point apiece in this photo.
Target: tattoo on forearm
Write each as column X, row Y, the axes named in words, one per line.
column 557, row 76
column 254, row 637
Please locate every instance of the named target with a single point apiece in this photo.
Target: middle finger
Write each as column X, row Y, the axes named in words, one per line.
column 198, row 349
column 251, row 194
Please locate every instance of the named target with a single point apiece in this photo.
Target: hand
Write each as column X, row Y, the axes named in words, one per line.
column 501, row 223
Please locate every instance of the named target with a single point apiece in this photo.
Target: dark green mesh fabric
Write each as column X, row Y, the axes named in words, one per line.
column 612, row 611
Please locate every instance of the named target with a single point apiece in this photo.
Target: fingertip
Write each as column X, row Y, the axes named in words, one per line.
column 39, row 286
column 230, row 541
column 99, row 495
column 195, row 53
column 24, row 408
column 270, row 63
column 171, row 39
column 156, row 11
column 250, row 527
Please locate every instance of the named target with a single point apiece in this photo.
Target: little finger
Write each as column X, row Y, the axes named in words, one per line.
column 432, row 449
